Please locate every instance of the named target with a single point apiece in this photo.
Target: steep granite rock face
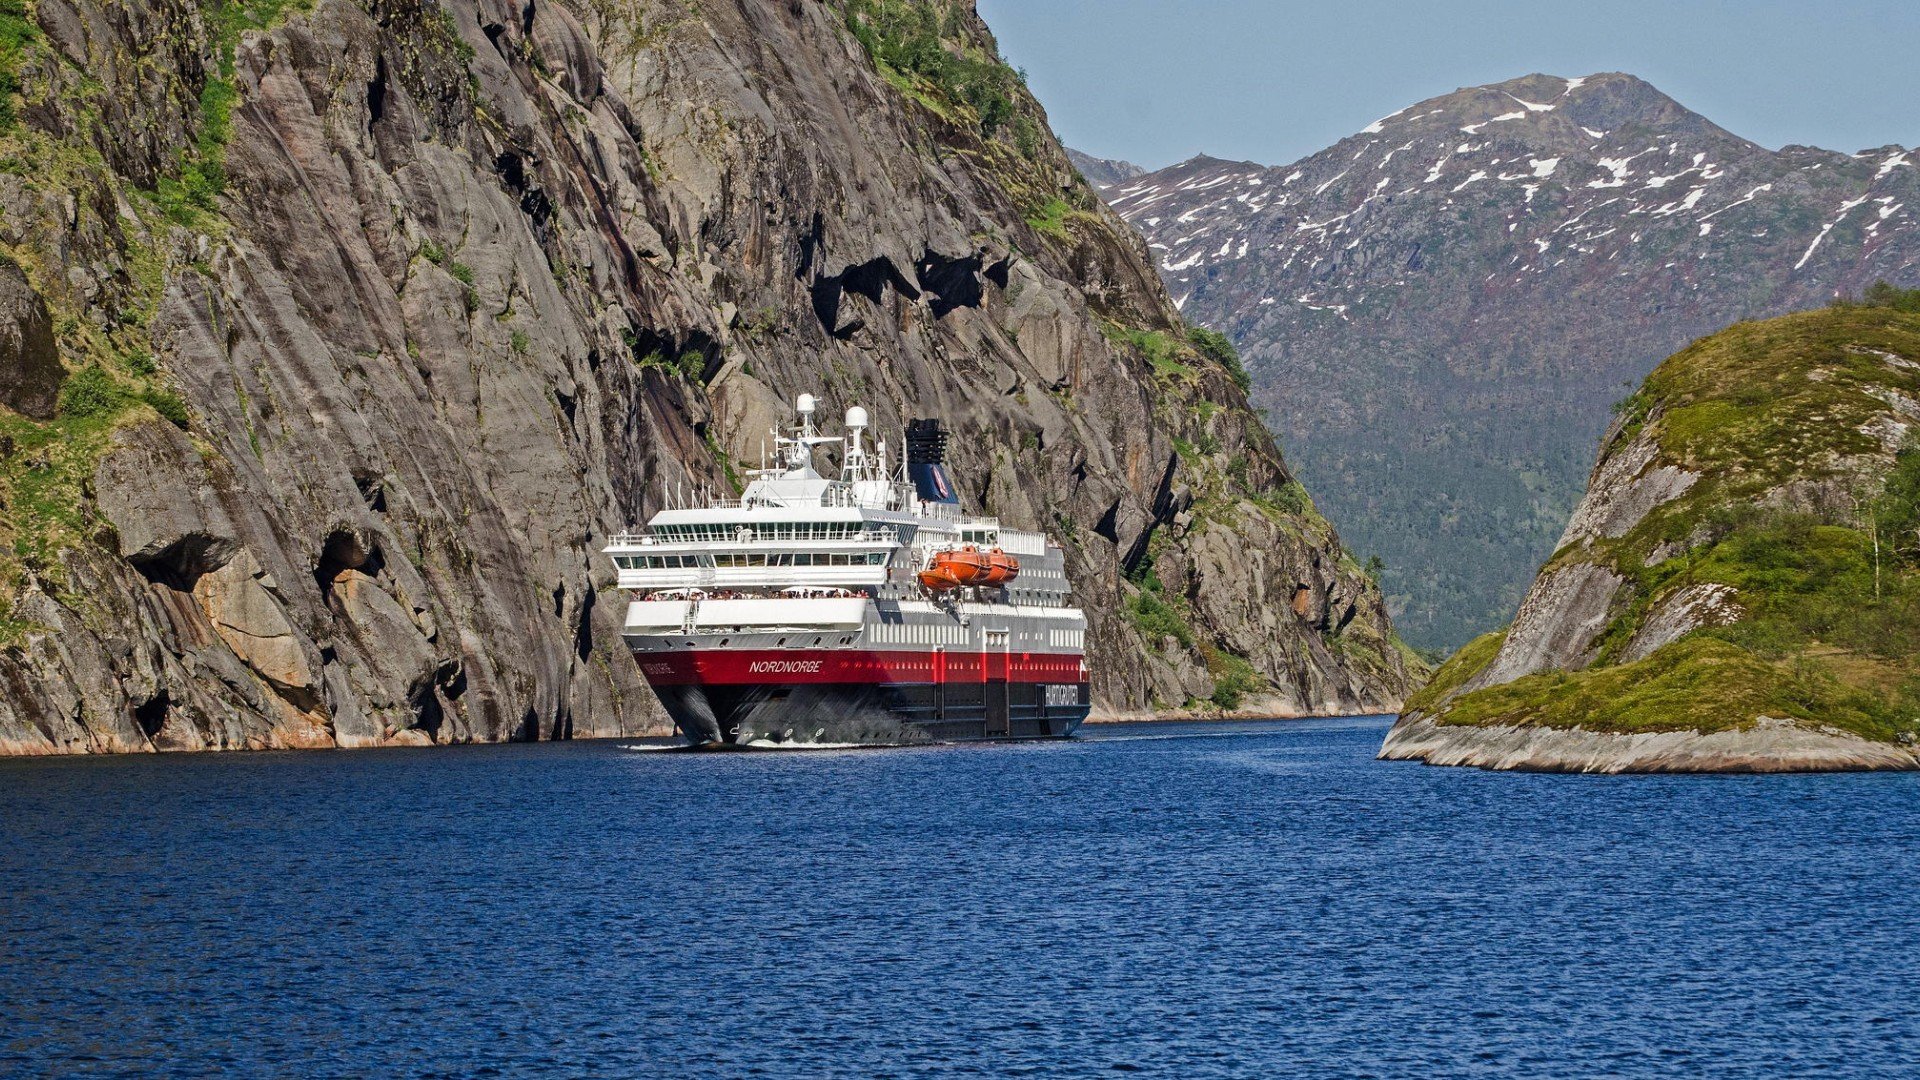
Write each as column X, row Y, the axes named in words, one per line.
column 1737, row 590
column 1438, row 310
column 30, row 370
column 388, row 314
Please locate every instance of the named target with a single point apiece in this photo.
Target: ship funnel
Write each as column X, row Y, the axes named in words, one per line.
column 926, row 461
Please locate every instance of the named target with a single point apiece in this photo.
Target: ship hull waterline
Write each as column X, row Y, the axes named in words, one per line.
column 724, row 701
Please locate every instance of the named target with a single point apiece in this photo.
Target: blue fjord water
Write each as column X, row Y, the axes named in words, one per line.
column 1174, row 899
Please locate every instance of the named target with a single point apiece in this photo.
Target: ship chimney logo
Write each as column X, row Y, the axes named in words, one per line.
column 926, row 457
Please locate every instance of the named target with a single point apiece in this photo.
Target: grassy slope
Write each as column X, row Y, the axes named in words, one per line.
column 1754, row 407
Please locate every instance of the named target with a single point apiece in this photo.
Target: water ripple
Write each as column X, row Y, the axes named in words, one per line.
column 1167, row 900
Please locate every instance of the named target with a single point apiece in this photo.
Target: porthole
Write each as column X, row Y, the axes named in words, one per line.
column 723, row 642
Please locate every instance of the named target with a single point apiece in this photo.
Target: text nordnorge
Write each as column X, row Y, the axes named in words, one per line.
column 763, row 667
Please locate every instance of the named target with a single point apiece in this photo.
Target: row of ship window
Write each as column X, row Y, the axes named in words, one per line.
column 923, row 634
column 776, row 530
column 742, row 559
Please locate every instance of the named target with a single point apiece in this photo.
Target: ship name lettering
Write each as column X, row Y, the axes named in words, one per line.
column 766, row 667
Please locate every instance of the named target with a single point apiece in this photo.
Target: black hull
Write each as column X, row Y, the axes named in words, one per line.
column 870, row 714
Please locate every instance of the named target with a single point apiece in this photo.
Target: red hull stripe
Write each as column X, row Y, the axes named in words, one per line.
column 724, row 667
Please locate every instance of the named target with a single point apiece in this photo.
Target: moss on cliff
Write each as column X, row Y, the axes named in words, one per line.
column 1800, row 524
column 189, row 196
column 17, row 33
column 45, row 470
column 923, row 48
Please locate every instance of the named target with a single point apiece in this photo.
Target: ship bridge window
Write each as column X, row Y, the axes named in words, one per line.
column 673, row 562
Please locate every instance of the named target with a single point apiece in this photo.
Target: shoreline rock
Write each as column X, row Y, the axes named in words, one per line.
column 1770, row 745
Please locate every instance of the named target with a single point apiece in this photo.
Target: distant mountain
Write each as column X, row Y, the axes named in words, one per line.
column 1103, row 173
column 1438, row 311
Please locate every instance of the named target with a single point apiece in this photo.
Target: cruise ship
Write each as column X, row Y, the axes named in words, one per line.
column 863, row 609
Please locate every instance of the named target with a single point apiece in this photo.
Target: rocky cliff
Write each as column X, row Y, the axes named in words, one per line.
column 1438, row 310
column 1103, row 173
column 1739, row 590
column 343, row 334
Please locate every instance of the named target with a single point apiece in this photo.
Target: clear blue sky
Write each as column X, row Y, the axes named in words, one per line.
column 1157, row 81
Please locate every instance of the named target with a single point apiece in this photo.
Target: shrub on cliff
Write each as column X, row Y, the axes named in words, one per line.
column 912, row 38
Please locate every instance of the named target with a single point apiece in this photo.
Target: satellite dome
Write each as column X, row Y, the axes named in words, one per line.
column 856, row 417
column 804, row 404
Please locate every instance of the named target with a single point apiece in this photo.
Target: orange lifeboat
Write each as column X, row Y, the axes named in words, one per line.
column 1001, row 567
column 938, row 579
column 967, row 565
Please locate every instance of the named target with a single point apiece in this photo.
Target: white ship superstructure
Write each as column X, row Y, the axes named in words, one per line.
column 863, row 608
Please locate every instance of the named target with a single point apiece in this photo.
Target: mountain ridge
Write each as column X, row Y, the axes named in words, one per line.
column 1103, row 173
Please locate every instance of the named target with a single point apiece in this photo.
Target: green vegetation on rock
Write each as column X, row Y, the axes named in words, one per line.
column 1233, row 679
column 1152, row 613
column 17, row 31
column 1803, row 525
column 1216, row 347
column 1698, row 684
column 201, row 174
column 1050, row 217
column 920, row 46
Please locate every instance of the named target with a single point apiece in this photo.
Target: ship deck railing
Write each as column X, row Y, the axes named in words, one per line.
column 756, row 538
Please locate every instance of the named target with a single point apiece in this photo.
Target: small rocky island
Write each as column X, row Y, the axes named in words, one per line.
column 1739, row 589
